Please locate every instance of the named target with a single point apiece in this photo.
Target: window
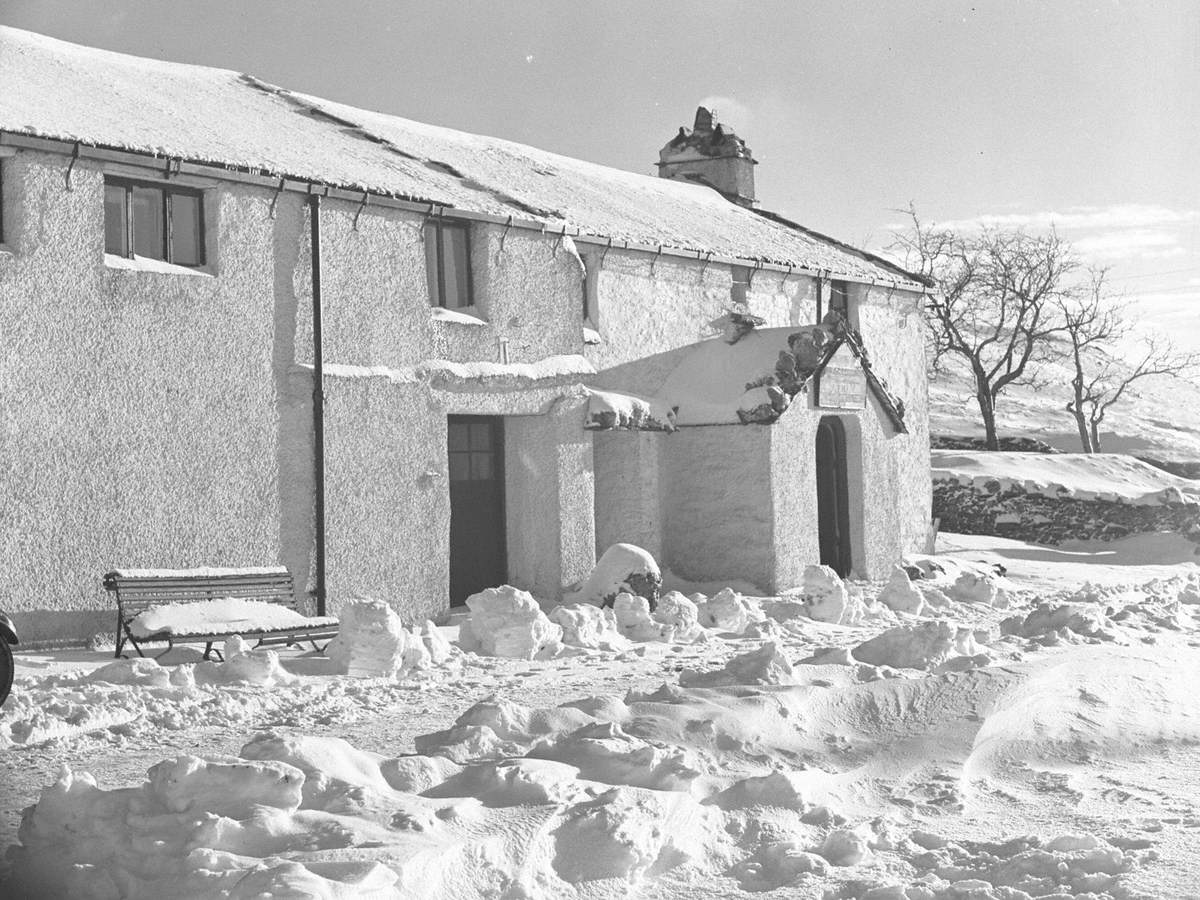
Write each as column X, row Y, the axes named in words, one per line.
column 1, row 201
column 741, row 284
column 839, row 298
column 153, row 221
column 591, row 276
column 448, row 263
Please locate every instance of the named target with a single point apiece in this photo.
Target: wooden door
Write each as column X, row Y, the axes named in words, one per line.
column 478, row 551
column 833, row 507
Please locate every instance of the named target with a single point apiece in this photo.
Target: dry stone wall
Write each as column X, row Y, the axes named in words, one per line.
column 1010, row 512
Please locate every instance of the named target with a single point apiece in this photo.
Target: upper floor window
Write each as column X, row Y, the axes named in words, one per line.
column 448, row 263
column 741, row 284
column 839, row 298
column 153, row 221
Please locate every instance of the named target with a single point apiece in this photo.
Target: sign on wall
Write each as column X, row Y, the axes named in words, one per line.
column 842, row 384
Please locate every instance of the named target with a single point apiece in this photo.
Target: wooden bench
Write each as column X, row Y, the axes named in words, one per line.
column 138, row 590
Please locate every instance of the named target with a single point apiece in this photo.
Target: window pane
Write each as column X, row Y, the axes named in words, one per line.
column 148, row 222
column 481, row 466
column 455, row 260
column 115, row 226
column 431, row 265
column 481, row 436
column 839, row 297
column 187, row 247
column 458, row 436
column 460, row 466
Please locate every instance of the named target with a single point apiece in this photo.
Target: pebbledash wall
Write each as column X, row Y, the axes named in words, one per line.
column 739, row 501
column 164, row 417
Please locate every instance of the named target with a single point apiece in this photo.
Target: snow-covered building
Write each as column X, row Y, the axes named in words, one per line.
column 247, row 326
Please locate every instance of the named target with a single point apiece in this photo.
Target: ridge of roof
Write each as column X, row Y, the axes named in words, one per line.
column 219, row 117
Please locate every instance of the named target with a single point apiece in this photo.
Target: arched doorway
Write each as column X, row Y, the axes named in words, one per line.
column 833, row 504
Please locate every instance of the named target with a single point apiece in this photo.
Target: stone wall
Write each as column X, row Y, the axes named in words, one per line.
column 1044, row 520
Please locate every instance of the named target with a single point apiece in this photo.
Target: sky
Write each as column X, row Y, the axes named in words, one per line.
column 1078, row 115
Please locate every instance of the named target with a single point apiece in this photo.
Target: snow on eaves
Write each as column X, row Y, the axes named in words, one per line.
column 441, row 372
column 217, row 116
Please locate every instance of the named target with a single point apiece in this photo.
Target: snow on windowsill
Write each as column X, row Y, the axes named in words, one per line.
column 457, row 316
column 145, row 264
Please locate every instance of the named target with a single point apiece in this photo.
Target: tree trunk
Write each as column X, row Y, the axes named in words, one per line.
column 1085, row 439
column 1095, row 437
column 987, row 409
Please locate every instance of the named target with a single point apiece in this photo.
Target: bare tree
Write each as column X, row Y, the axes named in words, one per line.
column 997, row 305
column 1093, row 324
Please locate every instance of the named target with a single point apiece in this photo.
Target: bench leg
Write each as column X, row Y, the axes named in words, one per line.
column 120, row 637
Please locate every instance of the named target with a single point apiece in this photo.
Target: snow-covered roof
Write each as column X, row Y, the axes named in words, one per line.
column 64, row 91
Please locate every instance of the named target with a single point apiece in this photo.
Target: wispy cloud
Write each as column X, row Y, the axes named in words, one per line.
column 1103, row 234
column 1083, row 218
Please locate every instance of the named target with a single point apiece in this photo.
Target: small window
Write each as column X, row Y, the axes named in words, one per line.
column 741, row 284
column 153, row 221
column 1, row 201
column 588, row 287
column 448, row 263
column 839, row 298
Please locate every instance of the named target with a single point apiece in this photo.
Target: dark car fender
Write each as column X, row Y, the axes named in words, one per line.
column 8, row 631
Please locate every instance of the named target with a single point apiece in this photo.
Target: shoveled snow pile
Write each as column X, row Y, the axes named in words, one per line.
column 827, row 599
column 589, row 627
column 622, row 568
column 1078, row 476
column 373, row 642
column 229, row 615
column 507, row 621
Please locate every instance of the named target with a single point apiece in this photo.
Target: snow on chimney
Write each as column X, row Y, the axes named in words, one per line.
column 713, row 155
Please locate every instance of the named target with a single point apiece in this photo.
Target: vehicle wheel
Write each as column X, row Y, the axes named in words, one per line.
column 6, row 669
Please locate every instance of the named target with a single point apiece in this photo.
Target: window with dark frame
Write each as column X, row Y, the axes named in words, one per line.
column 154, row 221
column 839, row 298
column 448, row 263
column 740, row 285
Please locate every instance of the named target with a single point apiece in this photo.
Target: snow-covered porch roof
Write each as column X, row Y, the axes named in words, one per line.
column 751, row 380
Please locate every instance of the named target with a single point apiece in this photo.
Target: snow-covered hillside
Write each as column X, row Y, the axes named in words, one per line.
column 1161, row 418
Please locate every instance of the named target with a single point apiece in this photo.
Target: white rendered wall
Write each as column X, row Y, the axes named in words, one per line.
column 629, row 493
column 140, row 414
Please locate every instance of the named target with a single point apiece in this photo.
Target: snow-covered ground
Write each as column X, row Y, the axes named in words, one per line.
column 1079, row 476
column 963, row 735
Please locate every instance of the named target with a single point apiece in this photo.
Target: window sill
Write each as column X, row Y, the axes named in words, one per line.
column 591, row 335
column 463, row 316
column 145, row 264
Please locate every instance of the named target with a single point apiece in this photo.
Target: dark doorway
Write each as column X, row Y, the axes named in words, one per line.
column 833, row 505
column 478, row 555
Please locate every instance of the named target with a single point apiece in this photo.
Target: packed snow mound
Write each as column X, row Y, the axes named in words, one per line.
column 827, row 599
column 681, row 616
column 728, row 611
column 230, row 615
column 373, row 642
column 766, row 665
column 1058, row 622
column 634, row 620
column 622, row 568
column 921, row 646
column 507, row 621
column 901, row 595
column 1077, row 476
column 590, row 627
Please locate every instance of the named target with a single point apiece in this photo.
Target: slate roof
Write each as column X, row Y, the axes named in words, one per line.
column 54, row 89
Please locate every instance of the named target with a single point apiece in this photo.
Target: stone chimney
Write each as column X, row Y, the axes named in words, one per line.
column 713, row 155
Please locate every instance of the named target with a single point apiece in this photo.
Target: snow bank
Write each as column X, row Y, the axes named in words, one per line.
column 229, row 615
column 827, row 599
column 623, row 568
column 506, row 621
column 590, row 627
column 728, row 611
column 1078, row 476
column 373, row 642
column 766, row 665
column 921, row 646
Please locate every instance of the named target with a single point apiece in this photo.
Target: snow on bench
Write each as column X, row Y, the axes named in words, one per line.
column 209, row 605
